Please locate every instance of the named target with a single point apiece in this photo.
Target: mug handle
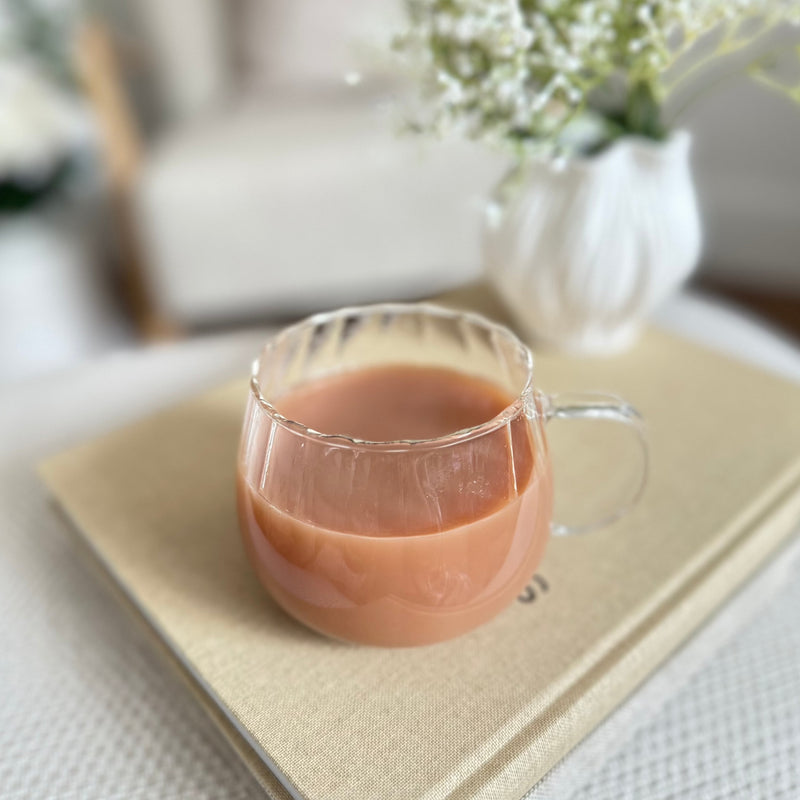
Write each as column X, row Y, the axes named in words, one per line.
column 597, row 406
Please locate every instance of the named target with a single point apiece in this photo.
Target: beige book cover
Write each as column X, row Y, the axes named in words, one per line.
column 488, row 714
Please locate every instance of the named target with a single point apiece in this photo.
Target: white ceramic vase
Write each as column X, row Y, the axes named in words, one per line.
column 581, row 253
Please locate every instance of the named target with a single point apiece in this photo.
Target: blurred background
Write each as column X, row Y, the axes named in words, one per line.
column 172, row 168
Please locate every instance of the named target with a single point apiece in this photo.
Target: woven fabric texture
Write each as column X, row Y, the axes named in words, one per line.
column 732, row 732
column 88, row 708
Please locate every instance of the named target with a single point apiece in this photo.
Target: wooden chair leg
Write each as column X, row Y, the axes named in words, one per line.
column 99, row 71
column 150, row 322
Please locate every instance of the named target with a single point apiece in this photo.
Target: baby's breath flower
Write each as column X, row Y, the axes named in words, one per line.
column 519, row 70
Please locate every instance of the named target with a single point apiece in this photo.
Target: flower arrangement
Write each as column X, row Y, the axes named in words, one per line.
column 40, row 118
column 570, row 76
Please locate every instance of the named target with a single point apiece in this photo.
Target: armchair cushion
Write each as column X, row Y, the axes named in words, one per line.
column 273, row 210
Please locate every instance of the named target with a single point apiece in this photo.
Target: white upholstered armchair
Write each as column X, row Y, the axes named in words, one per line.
column 271, row 186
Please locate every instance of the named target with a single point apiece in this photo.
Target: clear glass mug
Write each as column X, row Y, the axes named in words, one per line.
column 404, row 542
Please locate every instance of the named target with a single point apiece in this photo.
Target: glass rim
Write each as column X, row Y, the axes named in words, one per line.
column 344, row 440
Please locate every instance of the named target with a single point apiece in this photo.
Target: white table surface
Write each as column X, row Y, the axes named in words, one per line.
column 88, row 709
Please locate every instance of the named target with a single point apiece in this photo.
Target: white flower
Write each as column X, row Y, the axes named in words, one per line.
column 504, row 70
column 38, row 123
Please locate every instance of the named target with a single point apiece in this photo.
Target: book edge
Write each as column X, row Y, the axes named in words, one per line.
column 265, row 772
column 590, row 699
column 658, row 635
column 593, row 661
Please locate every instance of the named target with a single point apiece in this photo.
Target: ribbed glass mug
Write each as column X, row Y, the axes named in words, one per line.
column 410, row 542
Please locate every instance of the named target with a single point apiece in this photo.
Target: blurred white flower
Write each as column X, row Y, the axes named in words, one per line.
column 520, row 72
column 39, row 123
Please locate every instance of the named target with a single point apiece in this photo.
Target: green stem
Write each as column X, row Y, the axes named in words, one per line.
column 643, row 112
column 793, row 92
column 726, row 47
column 700, row 91
column 755, row 74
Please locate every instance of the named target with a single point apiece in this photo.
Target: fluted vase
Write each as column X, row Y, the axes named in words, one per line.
column 582, row 252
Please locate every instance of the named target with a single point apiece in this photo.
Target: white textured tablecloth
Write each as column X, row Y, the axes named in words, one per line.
column 88, row 709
